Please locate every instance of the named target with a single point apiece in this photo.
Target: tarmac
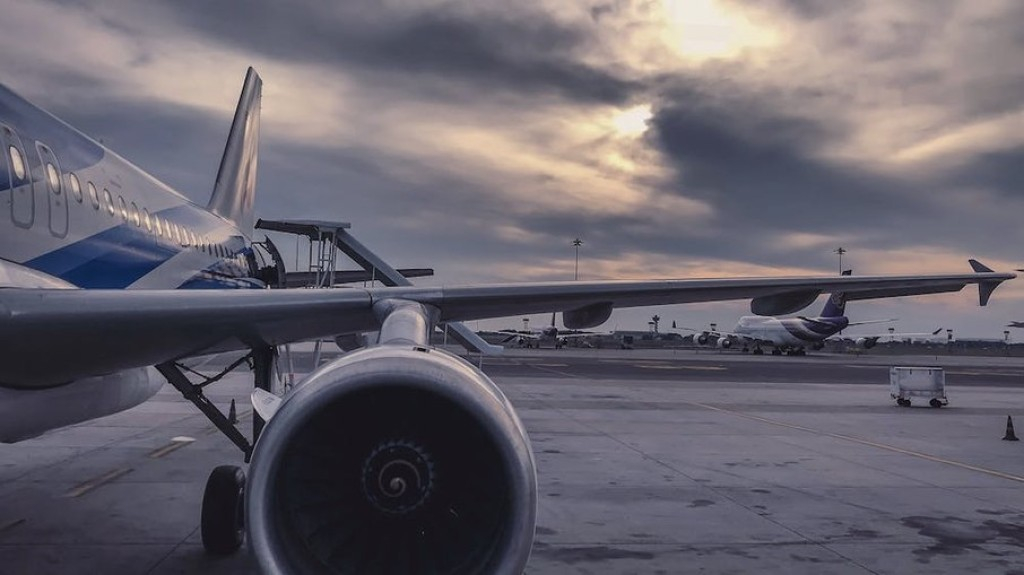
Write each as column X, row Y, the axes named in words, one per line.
column 649, row 461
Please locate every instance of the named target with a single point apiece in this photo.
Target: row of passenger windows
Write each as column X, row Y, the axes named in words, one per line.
column 141, row 218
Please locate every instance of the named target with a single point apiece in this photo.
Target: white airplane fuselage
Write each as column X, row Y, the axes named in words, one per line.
column 793, row 333
column 75, row 215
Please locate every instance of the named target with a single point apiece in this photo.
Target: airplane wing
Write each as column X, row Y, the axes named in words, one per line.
column 55, row 335
column 871, row 321
column 850, row 324
column 891, row 335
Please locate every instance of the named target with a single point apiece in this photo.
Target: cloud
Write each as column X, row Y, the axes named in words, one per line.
column 480, row 137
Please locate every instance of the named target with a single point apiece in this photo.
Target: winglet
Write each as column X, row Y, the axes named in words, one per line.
column 979, row 267
column 985, row 288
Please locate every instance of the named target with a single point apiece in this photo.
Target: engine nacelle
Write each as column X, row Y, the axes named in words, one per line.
column 393, row 459
column 866, row 342
column 724, row 342
column 701, row 339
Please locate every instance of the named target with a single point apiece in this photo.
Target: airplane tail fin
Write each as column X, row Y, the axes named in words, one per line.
column 836, row 304
column 235, row 190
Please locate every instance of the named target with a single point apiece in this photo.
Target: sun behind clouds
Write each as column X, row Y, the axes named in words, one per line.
column 705, row 29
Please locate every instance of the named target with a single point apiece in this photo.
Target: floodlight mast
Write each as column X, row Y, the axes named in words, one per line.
column 576, row 243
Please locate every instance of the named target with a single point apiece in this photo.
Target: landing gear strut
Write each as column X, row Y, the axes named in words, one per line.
column 222, row 524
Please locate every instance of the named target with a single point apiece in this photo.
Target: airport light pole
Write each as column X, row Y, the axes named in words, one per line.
column 576, row 243
column 840, row 250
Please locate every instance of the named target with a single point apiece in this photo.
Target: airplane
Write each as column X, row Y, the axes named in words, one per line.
column 536, row 337
column 109, row 279
column 793, row 335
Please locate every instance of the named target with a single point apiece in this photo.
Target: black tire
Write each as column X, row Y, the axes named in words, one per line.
column 758, row 351
column 935, row 403
column 223, row 525
column 776, row 351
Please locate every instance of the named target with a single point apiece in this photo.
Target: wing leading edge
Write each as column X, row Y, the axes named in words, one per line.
column 58, row 335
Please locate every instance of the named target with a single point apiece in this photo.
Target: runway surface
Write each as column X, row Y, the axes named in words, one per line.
column 648, row 462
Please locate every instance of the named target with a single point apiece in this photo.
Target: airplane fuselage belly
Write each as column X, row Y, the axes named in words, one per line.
column 26, row 413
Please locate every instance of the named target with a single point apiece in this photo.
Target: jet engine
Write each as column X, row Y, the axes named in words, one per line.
column 866, row 342
column 724, row 343
column 702, row 339
column 393, row 459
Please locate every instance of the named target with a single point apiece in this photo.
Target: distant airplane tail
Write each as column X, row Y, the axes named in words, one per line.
column 235, row 190
column 836, row 304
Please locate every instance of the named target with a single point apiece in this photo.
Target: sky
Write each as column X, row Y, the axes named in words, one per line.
column 676, row 138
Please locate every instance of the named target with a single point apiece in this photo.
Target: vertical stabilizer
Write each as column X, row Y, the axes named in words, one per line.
column 235, row 190
column 836, row 304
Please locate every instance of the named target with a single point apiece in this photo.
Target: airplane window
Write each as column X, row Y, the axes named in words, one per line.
column 156, row 226
column 17, row 163
column 76, row 187
column 93, row 196
column 135, row 215
column 53, row 178
column 146, row 220
column 124, row 208
column 177, row 234
column 108, row 201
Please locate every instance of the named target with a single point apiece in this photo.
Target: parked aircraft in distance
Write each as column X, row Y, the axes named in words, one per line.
column 793, row 335
column 549, row 334
column 397, row 457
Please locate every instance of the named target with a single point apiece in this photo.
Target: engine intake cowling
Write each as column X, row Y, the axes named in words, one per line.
column 866, row 342
column 393, row 460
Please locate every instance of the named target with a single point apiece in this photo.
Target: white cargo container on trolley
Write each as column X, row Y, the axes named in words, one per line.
column 919, row 382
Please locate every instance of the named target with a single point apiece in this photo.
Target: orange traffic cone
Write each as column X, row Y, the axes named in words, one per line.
column 1010, row 436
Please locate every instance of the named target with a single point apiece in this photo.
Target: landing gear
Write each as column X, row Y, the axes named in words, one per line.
column 223, row 520
column 776, row 351
column 758, row 351
column 222, row 524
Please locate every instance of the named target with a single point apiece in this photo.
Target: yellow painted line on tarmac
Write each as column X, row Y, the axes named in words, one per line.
column 11, row 524
column 87, row 486
column 175, row 444
column 867, row 442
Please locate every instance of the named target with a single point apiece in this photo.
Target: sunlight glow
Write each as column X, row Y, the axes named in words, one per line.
column 632, row 122
column 704, row 29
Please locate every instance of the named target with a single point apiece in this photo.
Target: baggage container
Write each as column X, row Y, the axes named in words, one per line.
column 928, row 383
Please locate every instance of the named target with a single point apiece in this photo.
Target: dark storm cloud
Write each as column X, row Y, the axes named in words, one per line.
column 762, row 170
column 486, row 51
column 760, row 167
column 1000, row 171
